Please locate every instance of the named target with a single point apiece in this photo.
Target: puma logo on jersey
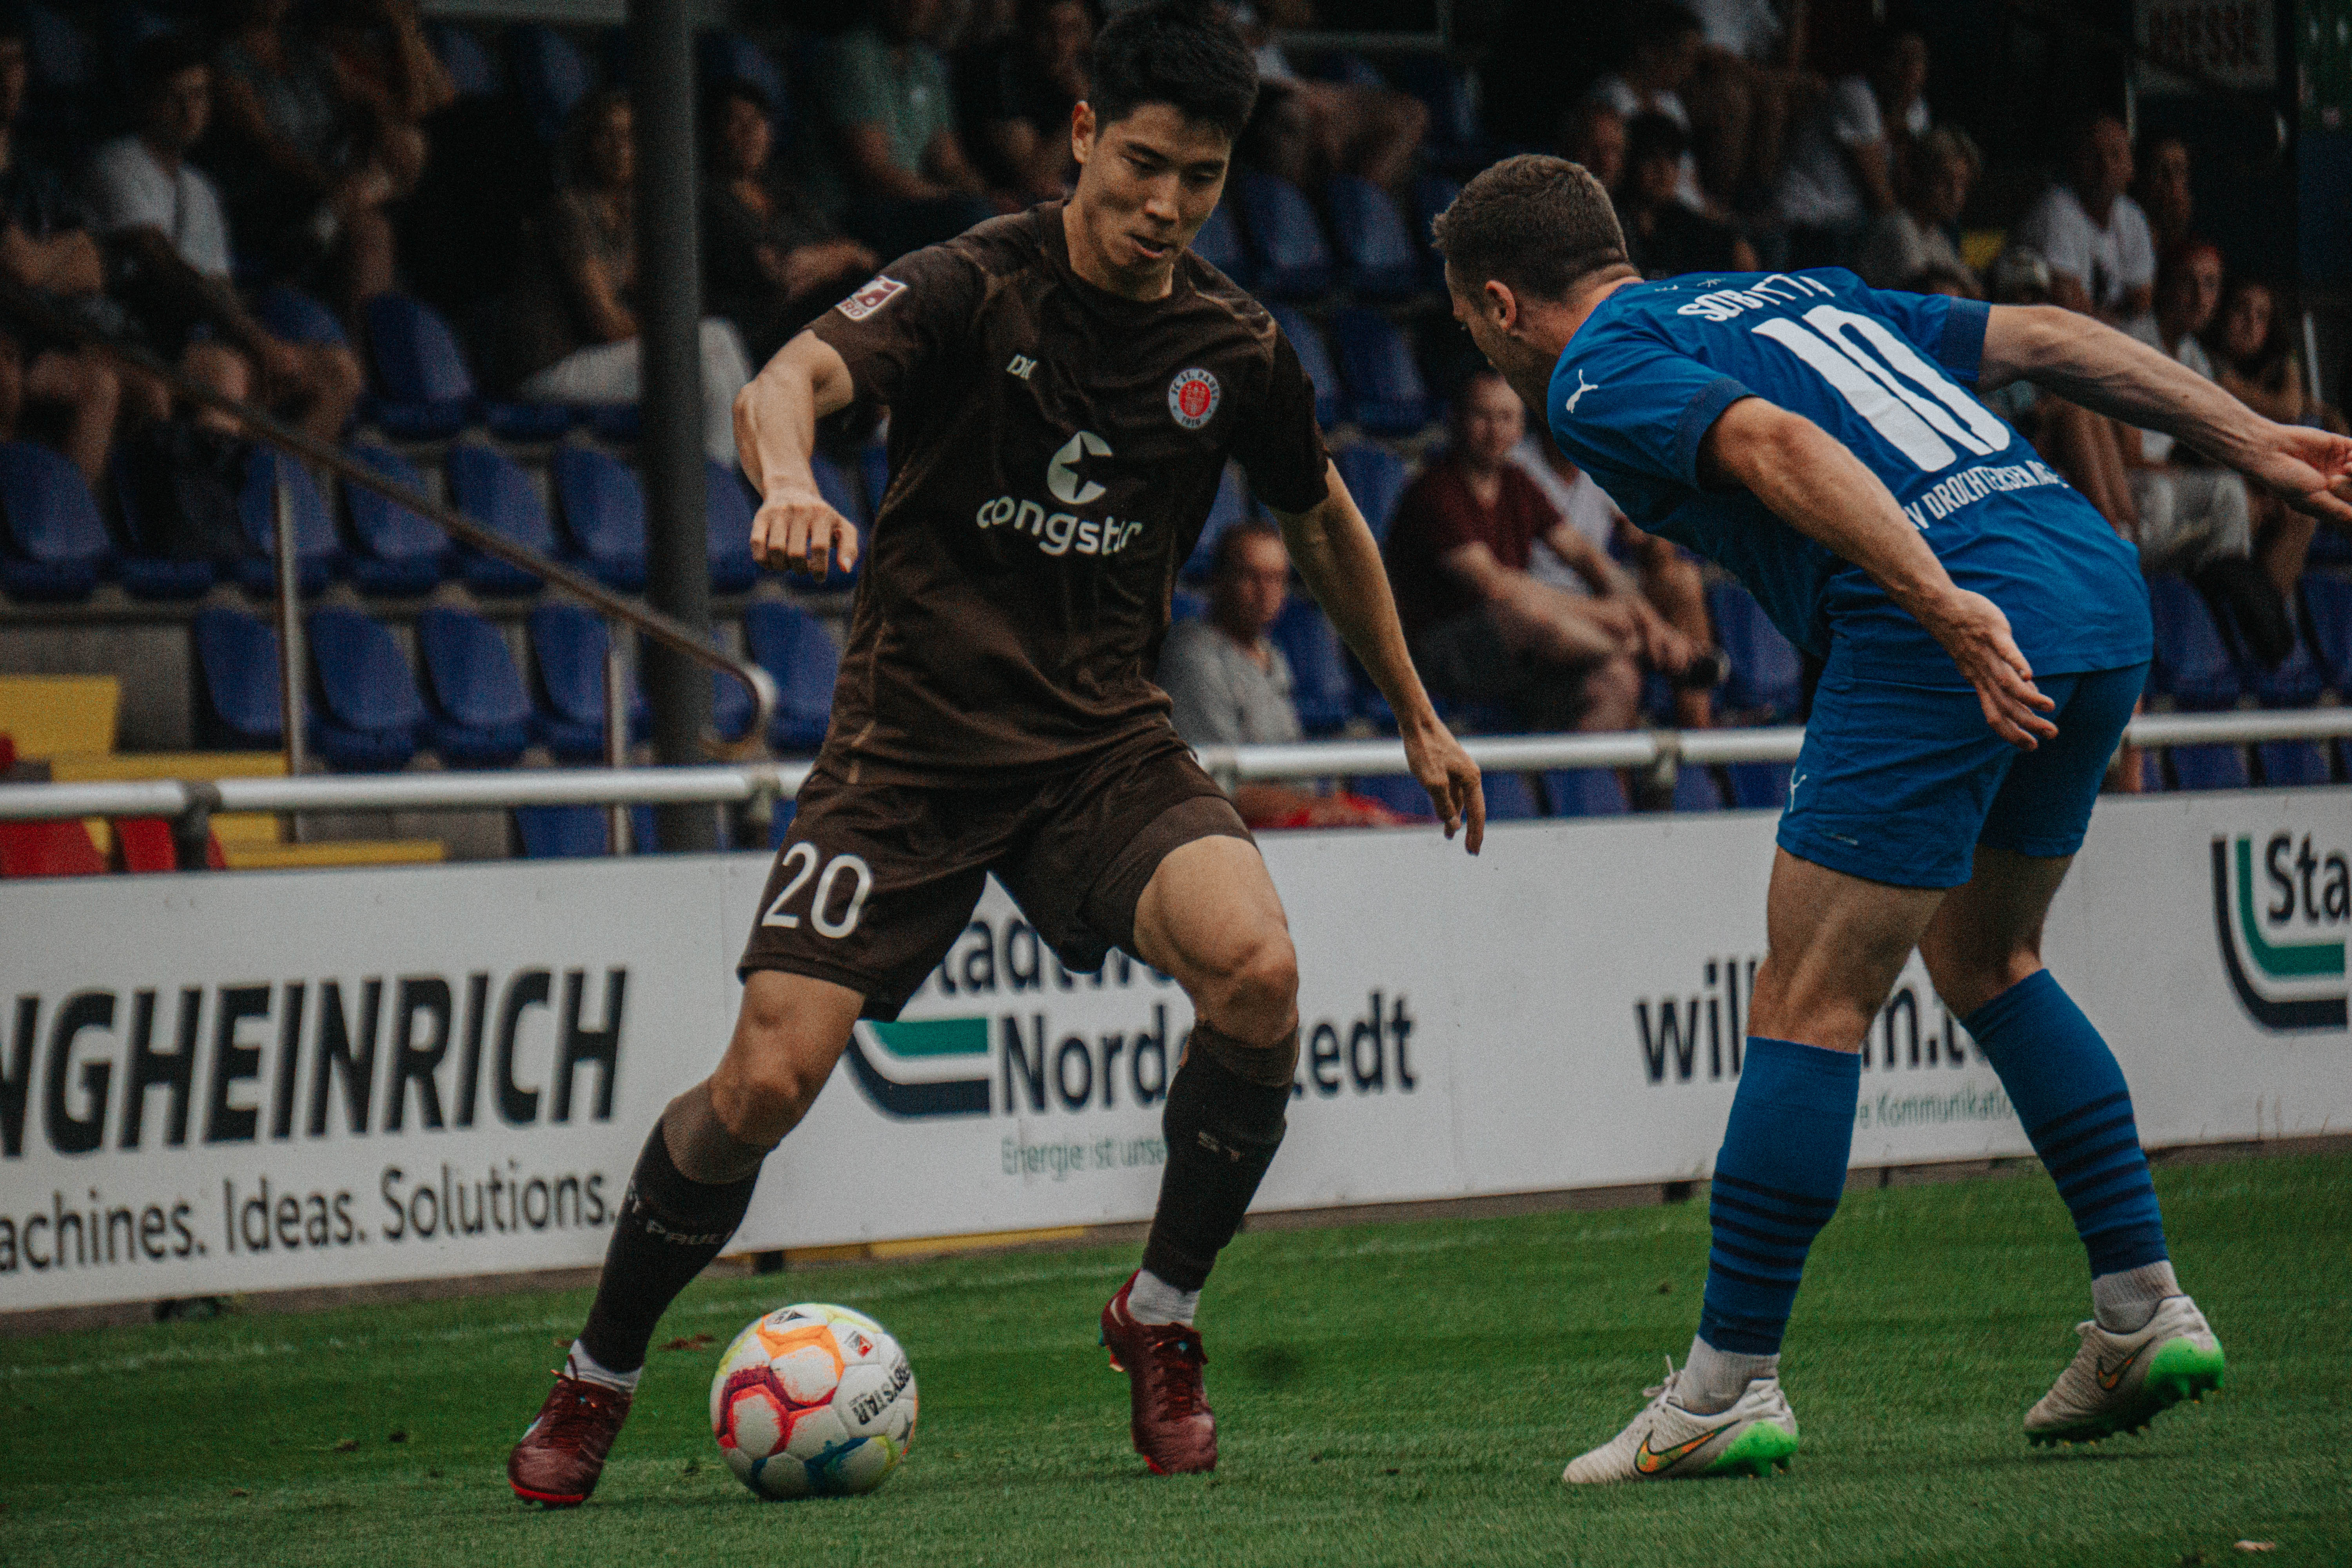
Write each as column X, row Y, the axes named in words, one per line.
column 1582, row 386
column 1062, row 473
column 1021, row 366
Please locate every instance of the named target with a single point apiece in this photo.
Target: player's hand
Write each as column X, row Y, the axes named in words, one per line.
column 2310, row 469
column 1449, row 775
column 796, row 532
column 1976, row 634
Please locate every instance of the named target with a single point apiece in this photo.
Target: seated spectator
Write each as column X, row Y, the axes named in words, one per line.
column 1663, row 239
column 1919, row 236
column 186, row 472
column 2259, row 363
column 2095, row 237
column 572, row 328
column 2163, row 192
column 1662, row 50
column 1483, row 629
column 1280, row 138
column 2081, row 446
column 1374, row 132
column 1232, row 686
column 770, row 261
column 1842, row 167
column 1743, row 94
column 168, row 241
column 1593, row 135
column 1015, row 95
column 2189, row 512
column 893, row 118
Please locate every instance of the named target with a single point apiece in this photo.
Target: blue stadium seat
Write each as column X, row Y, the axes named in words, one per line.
column 58, row 546
column 1585, row 792
column 1378, row 258
column 1758, row 786
column 575, row 832
column 462, row 56
column 604, row 512
column 2193, row 665
column 1376, row 477
column 2327, row 614
column 238, row 706
column 1285, row 240
column 1696, row 790
column 551, row 76
column 317, row 551
column 299, row 318
column 1509, row 798
column 844, row 498
column 424, row 391
column 2298, row 680
column 1385, row 393
column 1184, row 605
column 2291, row 765
column 730, row 509
column 2329, row 547
column 371, row 706
column 491, row 489
column 1432, row 195
column 780, row 821
column 794, row 646
column 1321, row 688
column 567, row 649
column 394, row 550
column 1231, row 506
column 2212, row 766
column 873, row 474
column 1400, row 792
column 1314, row 358
column 1766, row 679
column 1219, row 242
column 477, row 714
column 145, row 572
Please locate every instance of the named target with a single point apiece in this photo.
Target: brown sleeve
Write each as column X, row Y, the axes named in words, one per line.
column 1280, row 445
column 910, row 317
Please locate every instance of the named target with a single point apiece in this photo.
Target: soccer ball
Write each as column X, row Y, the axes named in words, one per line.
column 813, row 1400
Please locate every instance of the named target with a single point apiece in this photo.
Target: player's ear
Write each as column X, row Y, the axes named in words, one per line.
column 1502, row 306
column 1082, row 131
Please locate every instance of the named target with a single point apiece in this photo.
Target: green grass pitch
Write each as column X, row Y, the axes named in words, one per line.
column 1395, row 1394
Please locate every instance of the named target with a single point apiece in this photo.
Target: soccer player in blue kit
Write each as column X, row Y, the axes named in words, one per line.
column 1984, row 635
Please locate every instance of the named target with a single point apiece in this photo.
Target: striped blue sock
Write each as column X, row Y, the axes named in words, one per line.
column 1777, row 1182
column 2077, row 1111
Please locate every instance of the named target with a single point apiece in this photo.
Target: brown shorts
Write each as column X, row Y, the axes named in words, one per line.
column 876, row 881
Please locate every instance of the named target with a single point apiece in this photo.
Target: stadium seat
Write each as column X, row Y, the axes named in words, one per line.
column 1186, row 605
column 1219, row 242
column 1378, row 258
column 2292, row 764
column 236, row 682
column 873, row 474
column 424, row 390
column 299, row 317
column 491, row 489
column 1375, row 476
column 2298, row 680
column 1432, row 195
column 794, row 646
column 1385, row 394
column 2193, row 665
column 144, row 845
column 1321, row 688
column 317, row 551
column 1400, row 792
column 48, row 849
column 394, row 550
column 462, row 56
column 1285, row 241
column 1696, row 790
column 2329, row 547
column 2212, row 766
column 1314, row 358
column 371, row 710
column 1509, row 798
column 1231, row 506
column 1585, row 792
column 551, row 76
column 727, row 503
column 1766, row 678
column 2327, row 615
column 731, row 710
column 567, row 647
column 604, row 512
column 58, row 546
column 477, row 714
column 844, row 498
column 143, row 570
column 1758, row 786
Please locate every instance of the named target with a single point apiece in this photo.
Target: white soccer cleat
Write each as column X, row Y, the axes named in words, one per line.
column 2118, row 1382
column 1665, row 1442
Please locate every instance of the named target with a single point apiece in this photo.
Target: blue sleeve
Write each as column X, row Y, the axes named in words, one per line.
column 1631, row 401
column 1951, row 331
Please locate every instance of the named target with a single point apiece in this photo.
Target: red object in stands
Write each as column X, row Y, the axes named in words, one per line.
column 144, row 844
column 7, row 752
column 47, row 849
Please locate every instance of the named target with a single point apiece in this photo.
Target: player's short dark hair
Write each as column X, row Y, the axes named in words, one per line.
column 1227, row 554
column 1537, row 224
column 1654, row 136
column 1176, row 52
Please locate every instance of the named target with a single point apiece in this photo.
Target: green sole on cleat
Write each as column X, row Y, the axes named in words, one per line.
column 2179, row 1370
column 1759, row 1451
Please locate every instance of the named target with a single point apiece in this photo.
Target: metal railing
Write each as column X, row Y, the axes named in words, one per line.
column 618, row 609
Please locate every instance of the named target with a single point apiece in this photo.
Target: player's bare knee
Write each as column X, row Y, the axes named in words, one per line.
column 1965, row 981
column 1254, row 994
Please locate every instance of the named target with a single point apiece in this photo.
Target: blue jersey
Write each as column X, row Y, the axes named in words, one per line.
column 1886, row 374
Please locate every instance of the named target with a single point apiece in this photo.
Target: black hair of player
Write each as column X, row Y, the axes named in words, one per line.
column 1537, row 224
column 1181, row 53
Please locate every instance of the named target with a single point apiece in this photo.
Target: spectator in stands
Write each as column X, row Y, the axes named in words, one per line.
column 1743, row 92
column 45, row 246
column 169, row 242
column 1593, row 135
column 770, row 261
column 2096, row 238
column 186, row 472
column 2163, row 192
column 572, row 326
column 1279, row 139
column 1662, row 49
column 1374, row 132
column 1843, row 162
column 2259, row 363
column 1663, row 239
column 1909, row 240
column 1017, row 92
column 307, row 169
column 2081, row 446
column 1232, row 686
column 1483, row 629
column 893, row 120
column 2189, row 512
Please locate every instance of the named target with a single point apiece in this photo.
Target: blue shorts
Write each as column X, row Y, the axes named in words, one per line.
column 1899, row 783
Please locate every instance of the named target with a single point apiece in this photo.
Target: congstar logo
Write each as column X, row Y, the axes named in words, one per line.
column 2286, row 968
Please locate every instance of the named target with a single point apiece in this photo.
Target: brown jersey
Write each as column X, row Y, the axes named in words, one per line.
column 1054, row 449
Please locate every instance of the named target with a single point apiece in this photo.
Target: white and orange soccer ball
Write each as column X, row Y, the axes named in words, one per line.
column 813, row 1400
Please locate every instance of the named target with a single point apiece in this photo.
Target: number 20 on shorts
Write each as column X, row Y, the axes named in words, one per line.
column 801, row 861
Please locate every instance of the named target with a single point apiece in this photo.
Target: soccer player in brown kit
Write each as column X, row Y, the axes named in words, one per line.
column 1065, row 386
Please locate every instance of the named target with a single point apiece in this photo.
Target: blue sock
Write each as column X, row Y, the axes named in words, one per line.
column 1777, row 1182
column 2071, row 1096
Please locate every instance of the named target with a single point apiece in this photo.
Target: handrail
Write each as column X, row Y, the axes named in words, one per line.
column 722, row 784
column 670, row 633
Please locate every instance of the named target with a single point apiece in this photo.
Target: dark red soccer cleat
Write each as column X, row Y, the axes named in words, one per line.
column 1169, row 1418
column 562, row 1453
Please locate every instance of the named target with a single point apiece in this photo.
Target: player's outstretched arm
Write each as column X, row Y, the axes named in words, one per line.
column 775, row 431
column 1337, row 557
column 2093, row 364
column 1808, row 478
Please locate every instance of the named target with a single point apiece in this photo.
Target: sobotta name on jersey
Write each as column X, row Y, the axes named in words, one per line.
column 1063, row 530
